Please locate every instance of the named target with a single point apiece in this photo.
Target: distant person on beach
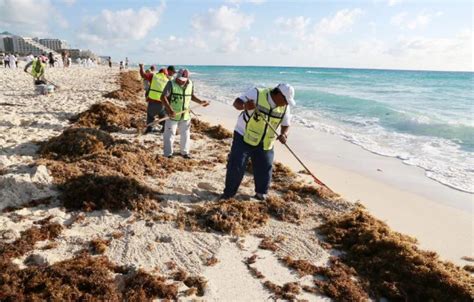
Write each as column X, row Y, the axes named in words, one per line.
column 12, row 61
column 126, row 63
column 254, row 139
column 29, row 58
column 6, row 61
column 37, row 69
column 153, row 93
column 177, row 97
column 110, row 62
column 51, row 59
column 121, row 65
column 171, row 71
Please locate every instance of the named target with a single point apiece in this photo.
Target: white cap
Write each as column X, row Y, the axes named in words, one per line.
column 289, row 92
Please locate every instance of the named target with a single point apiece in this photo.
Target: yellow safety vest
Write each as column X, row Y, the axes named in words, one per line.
column 181, row 100
column 37, row 68
column 256, row 129
column 157, row 85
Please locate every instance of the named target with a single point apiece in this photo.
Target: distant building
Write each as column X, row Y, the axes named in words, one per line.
column 24, row 46
column 54, row 44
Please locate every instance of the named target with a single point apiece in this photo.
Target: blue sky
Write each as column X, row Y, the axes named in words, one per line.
column 397, row 34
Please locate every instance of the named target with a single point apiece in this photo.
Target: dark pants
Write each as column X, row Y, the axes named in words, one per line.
column 237, row 163
column 154, row 109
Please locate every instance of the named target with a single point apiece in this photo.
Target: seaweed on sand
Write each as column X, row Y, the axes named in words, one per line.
column 141, row 286
column 283, row 210
column 228, row 216
column 79, row 151
column 337, row 280
column 216, row 132
column 91, row 192
column 105, row 116
column 131, row 88
column 28, row 239
column 198, row 282
column 392, row 263
column 76, row 142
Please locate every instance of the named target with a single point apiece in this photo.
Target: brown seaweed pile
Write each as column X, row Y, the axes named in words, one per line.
column 91, row 192
column 141, row 286
column 228, row 216
column 105, row 116
column 83, row 278
column 392, row 263
column 74, row 143
column 28, row 239
column 84, row 150
column 337, row 281
column 131, row 88
column 216, row 132
column 286, row 292
column 283, row 210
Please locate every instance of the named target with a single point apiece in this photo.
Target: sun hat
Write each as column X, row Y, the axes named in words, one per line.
column 289, row 92
column 183, row 75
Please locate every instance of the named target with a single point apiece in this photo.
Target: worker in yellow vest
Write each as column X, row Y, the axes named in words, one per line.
column 157, row 82
column 254, row 138
column 37, row 69
column 177, row 97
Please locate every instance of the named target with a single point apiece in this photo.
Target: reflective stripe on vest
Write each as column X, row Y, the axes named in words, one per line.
column 181, row 99
column 256, row 129
column 157, row 85
column 37, row 68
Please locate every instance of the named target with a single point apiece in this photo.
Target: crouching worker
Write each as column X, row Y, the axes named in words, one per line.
column 177, row 98
column 157, row 84
column 37, row 69
column 254, row 138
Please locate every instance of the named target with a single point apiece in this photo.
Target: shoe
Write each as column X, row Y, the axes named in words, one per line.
column 260, row 196
column 187, row 156
column 148, row 129
column 169, row 156
column 223, row 197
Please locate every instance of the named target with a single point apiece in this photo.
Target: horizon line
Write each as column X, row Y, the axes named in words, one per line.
column 288, row 66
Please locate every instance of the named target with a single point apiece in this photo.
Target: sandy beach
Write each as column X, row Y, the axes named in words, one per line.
column 86, row 190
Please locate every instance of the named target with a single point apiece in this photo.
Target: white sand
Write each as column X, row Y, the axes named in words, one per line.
column 26, row 118
column 440, row 217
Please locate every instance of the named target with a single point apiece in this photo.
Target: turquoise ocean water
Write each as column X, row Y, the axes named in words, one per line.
column 424, row 118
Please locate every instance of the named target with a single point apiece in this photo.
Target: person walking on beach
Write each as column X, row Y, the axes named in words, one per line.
column 153, row 94
column 37, row 69
column 254, row 138
column 110, row 62
column 177, row 97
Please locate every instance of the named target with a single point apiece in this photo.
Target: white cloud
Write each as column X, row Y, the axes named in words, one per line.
column 22, row 17
column 340, row 22
column 223, row 25
column 296, row 25
column 69, row 2
column 121, row 25
column 394, row 2
column 225, row 20
column 403, row 21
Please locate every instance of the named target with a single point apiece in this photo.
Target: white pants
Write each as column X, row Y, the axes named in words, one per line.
column 170, row 134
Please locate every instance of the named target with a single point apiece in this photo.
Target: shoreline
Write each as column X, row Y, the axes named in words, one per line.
column 399, row 194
